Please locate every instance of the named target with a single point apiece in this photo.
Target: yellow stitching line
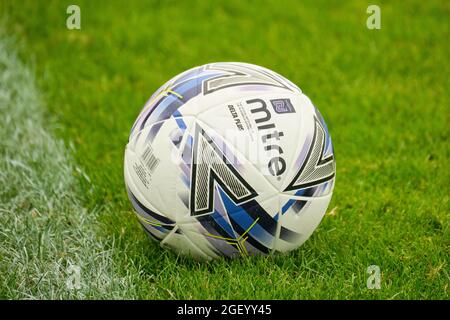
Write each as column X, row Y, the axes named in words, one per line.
column 236, row 242
column 254, row 222
column 169, row 90
column 165, row 92
column 230, row 241
column 243, row 247
column 148, row 221
column 233, row 239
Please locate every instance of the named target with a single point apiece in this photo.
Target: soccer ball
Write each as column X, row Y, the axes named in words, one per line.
column 229, row 159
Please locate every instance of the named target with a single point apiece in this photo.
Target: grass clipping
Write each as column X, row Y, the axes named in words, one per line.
column 48, row 244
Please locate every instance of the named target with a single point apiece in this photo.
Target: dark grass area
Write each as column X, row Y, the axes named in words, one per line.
column 384, row 95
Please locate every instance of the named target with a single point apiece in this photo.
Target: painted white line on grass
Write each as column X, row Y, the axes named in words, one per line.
column 48, row 244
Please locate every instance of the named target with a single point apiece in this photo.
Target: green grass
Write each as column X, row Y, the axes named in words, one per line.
column 384, row 94
column 45, row 230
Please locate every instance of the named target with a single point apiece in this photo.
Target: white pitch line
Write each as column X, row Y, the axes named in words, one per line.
column 48, row 245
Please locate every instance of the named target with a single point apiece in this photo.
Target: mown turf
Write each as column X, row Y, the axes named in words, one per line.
column 384, row 95
column 49, row 245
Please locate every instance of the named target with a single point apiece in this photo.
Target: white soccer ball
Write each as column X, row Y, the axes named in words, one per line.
column 229, row 159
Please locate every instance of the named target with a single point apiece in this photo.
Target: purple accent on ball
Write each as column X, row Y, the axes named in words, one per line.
column 304, row 152
column 186, row 171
